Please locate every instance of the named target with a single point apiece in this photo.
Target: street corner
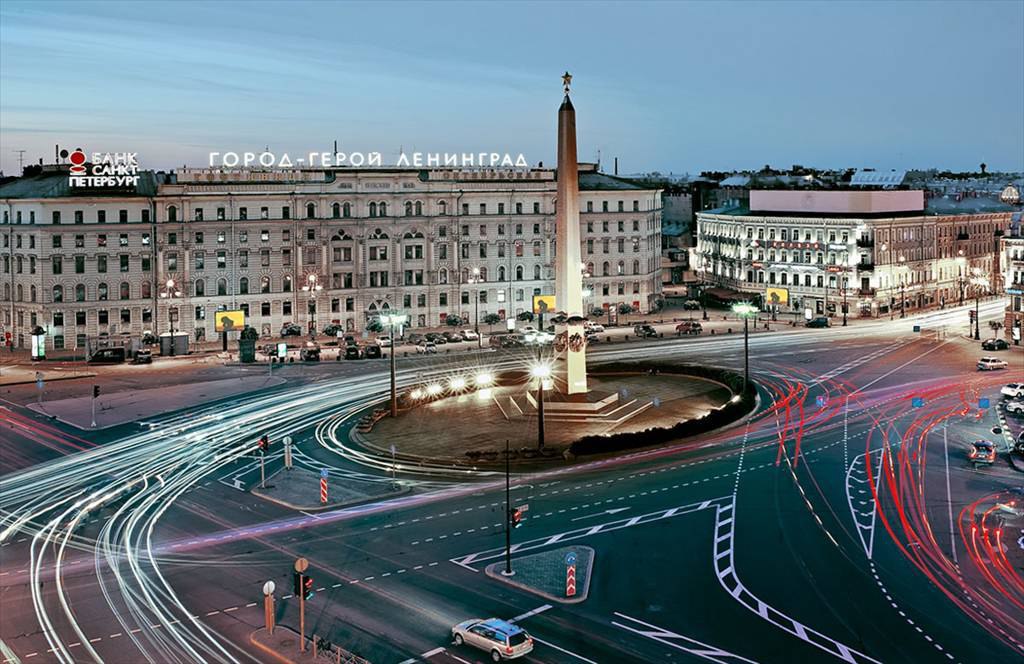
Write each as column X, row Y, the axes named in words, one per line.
column 309, row 491
column 559, row 575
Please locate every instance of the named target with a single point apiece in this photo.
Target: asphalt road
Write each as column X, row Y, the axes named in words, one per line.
column 840, row 521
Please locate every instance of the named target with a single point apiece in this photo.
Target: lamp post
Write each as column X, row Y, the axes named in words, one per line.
column 475, row 279
column 845, row 307
column 313, row 287
column 542, row 372
column 392, row 321
column 745, row 310
column 170, row 291
column 979, row 281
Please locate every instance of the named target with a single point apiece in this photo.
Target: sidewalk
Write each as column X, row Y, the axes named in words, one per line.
column 19, row 374
column 299, row 489
column 283, row 646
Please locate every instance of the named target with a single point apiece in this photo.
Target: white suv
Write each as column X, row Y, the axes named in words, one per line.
column 1013, row 390
column 502, row 639
column 990, row 363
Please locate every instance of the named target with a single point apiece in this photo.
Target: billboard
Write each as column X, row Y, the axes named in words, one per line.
column 230, row 321
column 776, row 296
column 543, row 304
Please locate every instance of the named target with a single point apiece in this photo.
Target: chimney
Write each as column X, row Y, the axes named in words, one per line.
column 616, row 165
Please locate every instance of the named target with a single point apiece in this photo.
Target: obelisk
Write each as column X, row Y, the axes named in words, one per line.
column 568, row 272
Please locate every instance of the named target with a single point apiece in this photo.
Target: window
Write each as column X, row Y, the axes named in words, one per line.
column 101, row 216
column 79, row 318
column 79, row 264
column 286, row 212
column 101, row 263
column 80, row 216
column 200, row 288
column 536, row 271
column 145, row 239
column 199, row 259
column 122, row 216
column 221, row 237
column 310, row 210
column 287, row 283
column 265, row 257
column 483, row 250
column 519, row 208
column 200, row 313
column 222, row 260
column 620, row 206
column 80, row 293
column 222, row 286
column 147, row 291
column 102, row 317
column 172, row 262
column 197, row 215
column 536, row 208
column 536, row 248
column 243, row 286
column 243, row 213
column 310, row 234
column 58, row 293
column 264, row 213
column 265, row 308
column 123, row 240
column 126, row 291
column 264, row 235
column 636, row 206
column 172, row 238
column 346, row 210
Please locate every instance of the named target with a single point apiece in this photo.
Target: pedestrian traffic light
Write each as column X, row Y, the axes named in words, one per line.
column 307, row 587
column 970, row 314
column 264, row 443
column 517, row 517
column 95, row 391
column 296, row 584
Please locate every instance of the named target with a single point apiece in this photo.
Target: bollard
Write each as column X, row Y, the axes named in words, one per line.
column 730, row 330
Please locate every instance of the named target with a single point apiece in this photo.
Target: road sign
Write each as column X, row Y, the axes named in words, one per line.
column 323, row 490
column 983, row 402
column 656, row 402
column 282, row 349
column 323, row 473
column 268, row 588
column 570, row 558
column 570, row 581
column 821, row 400
column 301, row 565
column 917, row 328
column 917, row 402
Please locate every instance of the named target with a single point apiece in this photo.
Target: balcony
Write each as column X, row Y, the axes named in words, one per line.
column 865, row 267
column 963, row 236
column 866, row 292
column 865, row 242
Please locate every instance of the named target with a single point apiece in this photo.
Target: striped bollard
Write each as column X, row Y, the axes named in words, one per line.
column 323, row 486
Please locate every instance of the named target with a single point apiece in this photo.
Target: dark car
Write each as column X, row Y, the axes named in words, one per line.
column 436, row 337
column 689, row 327
column 291, row 330
column 309, row 355
column 994, row 344
column 107, row 356
column 415, row 338
column 982, row 451
column 372, row 352
column 644, row 331
column 143, row 357
column 820, row 321
column 353, row 352
column 333, row 329
column 452, row 337
column 691, row 305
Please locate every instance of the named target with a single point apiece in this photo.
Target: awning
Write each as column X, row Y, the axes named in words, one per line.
column 727, row 294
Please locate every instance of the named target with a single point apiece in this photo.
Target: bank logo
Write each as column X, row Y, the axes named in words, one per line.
column 77, row 159
column 104, row 170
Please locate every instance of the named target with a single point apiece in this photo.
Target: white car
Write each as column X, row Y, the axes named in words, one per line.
column 501, row 639
column 1015, row 407
column 384, row 342
column 1013, row 390
column 470, row 335
column 426, row 348
column 990, row 363
column 596, row 328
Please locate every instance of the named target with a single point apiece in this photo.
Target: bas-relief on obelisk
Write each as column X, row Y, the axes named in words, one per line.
column 570, row 336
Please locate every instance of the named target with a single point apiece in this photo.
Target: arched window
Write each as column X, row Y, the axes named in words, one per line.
column 465, row 275
column 501, row 273
column 287, row 283
column 172, row 213
column 336, row 210
column 536, row 271
column 408, row 208
column 222, row 286
column 102, row 292
column 383, row 208
column 604, row 269
column 442, row 207
column 7, row 291
column 483, row 274
column 21, row 293
column 636, row 267
column 264, row 284
column 442, row 276
column 590, row 269
column 243, row 286
column 620, row 268
column 147, row 290
column 346, row 210
column 519, row 272
column 200, row 290
column 58, row 293
column 310, row 210
column 80, row 293
column 126, row 291
column 419, row 209
column 31, row 293
column 373, row 209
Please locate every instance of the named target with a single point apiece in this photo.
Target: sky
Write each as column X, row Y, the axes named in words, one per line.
column 664, row 86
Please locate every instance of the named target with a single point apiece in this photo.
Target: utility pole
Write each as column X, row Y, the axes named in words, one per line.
column 95, row 395
column 508, row 513
column 21, row 160
column 301, row 565
column 977, row 317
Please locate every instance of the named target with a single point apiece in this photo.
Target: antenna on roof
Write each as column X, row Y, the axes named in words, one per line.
column 21, row 159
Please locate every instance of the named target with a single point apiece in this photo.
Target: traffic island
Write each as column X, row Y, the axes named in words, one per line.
column 300, row 489
column 559, row 575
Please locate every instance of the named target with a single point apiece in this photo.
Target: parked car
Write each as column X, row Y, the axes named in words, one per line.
column 501, row 639
column 994, row 344
column 644, row 331
column 148, row 338
column 108, row 356
column 333, row 329
column 689, row 327
column 452, row 337
column 691, row 305
column 384, row 342
column 510, row 340
column 291, row 330
column 350, row 340
column 1013, row 390
column 436, row 337
column 989, row 363
column 1015, row 408
column 426, row 348
column 372, row 352
column 820, row 321
column 415, row 338
column 309, row 355
column 982, row 452
column 470, row 335
column 143, row 357
column 353, row 352
column 596, row 328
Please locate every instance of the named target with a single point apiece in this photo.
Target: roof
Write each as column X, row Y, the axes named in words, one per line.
column 54, row 184
column 735, row 181
column 502, row 626
column 873, row 178
column 603, row 182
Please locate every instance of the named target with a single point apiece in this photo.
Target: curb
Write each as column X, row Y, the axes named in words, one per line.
column 493, row 572
column 329, row 506
column 47, row 379
column 269, row 651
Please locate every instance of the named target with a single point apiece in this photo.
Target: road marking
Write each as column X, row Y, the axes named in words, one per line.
column 949, row 496
column 615, row 510
column 671, row 639
column 524, row 616
column 567, row 652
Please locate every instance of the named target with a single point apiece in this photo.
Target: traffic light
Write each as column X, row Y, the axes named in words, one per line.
column 264, row 443
column 307, row 587
column 95, row 391
column 970, row 314
column 517, row 517
column 296, row 584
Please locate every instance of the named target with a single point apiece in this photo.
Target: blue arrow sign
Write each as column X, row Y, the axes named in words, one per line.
column 983, row 402
column 821, row 400
column 323, row 473
column 917, row 402
column 570, row 558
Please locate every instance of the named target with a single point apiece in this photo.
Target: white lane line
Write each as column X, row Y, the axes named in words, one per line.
column 671, row 639
column 949, row 496
column 567, row 652
column 524, row 616
column 431, row 653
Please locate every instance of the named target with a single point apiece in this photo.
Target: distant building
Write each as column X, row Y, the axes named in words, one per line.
column 877, row 251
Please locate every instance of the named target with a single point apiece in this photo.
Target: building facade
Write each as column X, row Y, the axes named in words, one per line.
column 1013, row 280
column 312, row 247
column 874, row 252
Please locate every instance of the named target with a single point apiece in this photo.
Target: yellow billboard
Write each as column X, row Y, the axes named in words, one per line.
column 230, row 321
column 776, row 296
column 543, row 304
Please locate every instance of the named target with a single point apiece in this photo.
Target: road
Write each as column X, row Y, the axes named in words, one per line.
column 840, row 521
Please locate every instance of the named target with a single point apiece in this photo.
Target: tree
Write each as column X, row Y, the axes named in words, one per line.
column 490, row 320
column 375, row 325
column 526, row 316
column 453, row 320
column 625, row 309
column 597, row 311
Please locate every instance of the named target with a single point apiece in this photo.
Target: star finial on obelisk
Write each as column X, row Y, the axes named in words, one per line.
column 566, row 80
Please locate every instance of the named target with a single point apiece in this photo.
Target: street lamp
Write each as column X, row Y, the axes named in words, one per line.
column 542, row 372
column 474, row 279
column 979, row 281
column 169, row 291
column 392, row 321
column 313, row 287
column 745, row 310
column 846, row 285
